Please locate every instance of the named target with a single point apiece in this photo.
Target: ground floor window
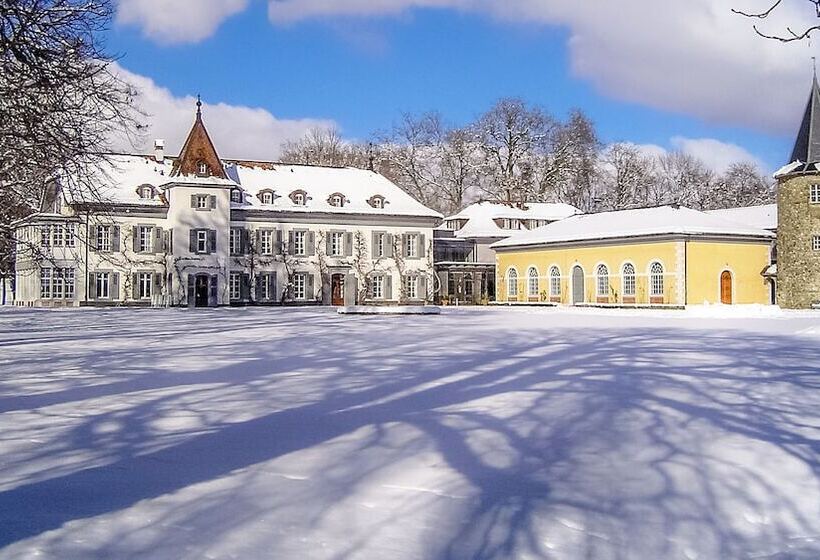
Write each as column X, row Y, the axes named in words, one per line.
column 656, row 279
column 411, row 287
column 235, row 285
column 45, row 283
column 512, row 283
column 532, row 282
column 266, row 286
column 144, row 284
column 103, row 285
column 299, row 286
column 555, row 282
column 378, row 287
column 628, row 280
column 602, row 273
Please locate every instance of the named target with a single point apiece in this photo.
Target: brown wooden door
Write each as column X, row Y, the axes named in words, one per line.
column 726, row 287
column 337, row 289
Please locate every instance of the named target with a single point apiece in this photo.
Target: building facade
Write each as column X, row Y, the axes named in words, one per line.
column 196, row 230
column 798, row 210
column 666, row 256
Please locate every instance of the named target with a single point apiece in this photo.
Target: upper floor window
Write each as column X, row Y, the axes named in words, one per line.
column 337, row 243
column 815, row 243
column 411, row 245
column 104, row 238
column 201, row 168
column 299, row 245
column 380, row 242
column 266, row 242
column 602, row 274
column 144, row 239
column 235, row 241
column 236, row 196
column 814, row 194
column 200, row 201
column 201, row 241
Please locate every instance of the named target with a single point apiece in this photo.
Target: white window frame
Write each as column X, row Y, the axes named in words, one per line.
column 378, row 286
column 103, row 280
column 381, row 239
column 45, row 235
column 512, row 283
column 299, row 199
column 201, row 201
column 337, row 243
column 555, row 281
column 57, row 284
column 337, row 200
column 267, row 197
column 145, row 236
column 602, row 280
column 300, row 243
column 656, row 279
column 411, row 286
column 532, row 282
column 57, row 233
column 201, row 168
column 266, row 242
column 146, row 192
column 201, row 241
column 815, row 243
column 411, row 245
column 145, row 285
column 69, row 235
column 104, row 238
column 236, row 196
column 628, row 280
column 300, row 286
column 235, row 286
column 235, row 241
column 378, row 202
column 814, row 194
column 46, row 274
column 70, row 286
column 267, row 286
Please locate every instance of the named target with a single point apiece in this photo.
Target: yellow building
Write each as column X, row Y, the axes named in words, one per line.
column 651, row 256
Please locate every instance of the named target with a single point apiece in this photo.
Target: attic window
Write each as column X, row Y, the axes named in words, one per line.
column 146, row 191
column 337, row 200
column 377, row 201
column 236, row 196
column 201, row 168
column 299, row 198
column 267, row 197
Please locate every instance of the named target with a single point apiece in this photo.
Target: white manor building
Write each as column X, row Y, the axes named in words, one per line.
column 196, row 230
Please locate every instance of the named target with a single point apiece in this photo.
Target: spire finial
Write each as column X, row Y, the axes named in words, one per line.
column 814, row 66
column 198, row 105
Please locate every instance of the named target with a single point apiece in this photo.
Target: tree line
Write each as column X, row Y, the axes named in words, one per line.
column 517, row 152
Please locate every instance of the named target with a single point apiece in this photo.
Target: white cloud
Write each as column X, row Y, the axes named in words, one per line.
column 715, row 154
column 693, row 57
column 177, row 21
column 237, row 131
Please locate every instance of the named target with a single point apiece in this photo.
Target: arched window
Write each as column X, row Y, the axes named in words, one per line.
column 236, row 196
column 512, row 283
column 555, row 282
column 532, row 282
column 602, row 274
column 628, row 280
column 656, row 279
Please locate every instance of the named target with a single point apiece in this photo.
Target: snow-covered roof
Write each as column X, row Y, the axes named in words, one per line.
column 480, row 216
column 643, row 222
column 762, row 217
column 120, row 182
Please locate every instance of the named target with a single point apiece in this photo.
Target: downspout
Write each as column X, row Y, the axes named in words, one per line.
column 685, row 272
column 87, row 241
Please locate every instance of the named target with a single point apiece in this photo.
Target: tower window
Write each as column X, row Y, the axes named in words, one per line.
column 815, row 243
column 814, row 194
column 201, row 168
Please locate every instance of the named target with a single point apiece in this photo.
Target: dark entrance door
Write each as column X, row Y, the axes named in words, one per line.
column 337, row 289
column 577, row 285
column 726, row 287
column 201, row 291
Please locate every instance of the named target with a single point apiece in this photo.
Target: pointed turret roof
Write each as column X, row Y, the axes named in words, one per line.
column 198, row 149
column 807, row 146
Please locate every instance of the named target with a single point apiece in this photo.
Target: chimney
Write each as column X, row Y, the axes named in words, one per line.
column 159, row 150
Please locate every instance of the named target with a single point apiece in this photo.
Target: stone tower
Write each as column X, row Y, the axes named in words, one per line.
column 798, row 215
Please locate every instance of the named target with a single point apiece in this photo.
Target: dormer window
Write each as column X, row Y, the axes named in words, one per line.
column 299, row 198
column 267, row 197
column 146, row 191
column 201, row 168
column 337, row 200
column 377, row 201
column 236, row 196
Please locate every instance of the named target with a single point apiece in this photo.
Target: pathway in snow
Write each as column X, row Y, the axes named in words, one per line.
column 480, row 433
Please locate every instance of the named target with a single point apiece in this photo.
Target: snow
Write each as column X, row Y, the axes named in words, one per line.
column 662, row 220
column 120, row 180
column 480, row 216
column 479, row 433
column 762, row 217
column 389, row 310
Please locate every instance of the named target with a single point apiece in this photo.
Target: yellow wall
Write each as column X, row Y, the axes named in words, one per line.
column 705, row 262
column 708, row 259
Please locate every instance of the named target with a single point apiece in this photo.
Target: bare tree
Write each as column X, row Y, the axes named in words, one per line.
column 324, row 146
column 626, row 175
column 741, row 185
column 788, row 34
column 571, row 164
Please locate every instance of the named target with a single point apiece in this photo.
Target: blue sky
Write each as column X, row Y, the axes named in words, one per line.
column 363, row 71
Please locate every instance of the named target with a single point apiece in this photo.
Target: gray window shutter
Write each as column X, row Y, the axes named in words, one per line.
column 168, row 240
column 273, row 287
column 135, row 238
column 258, row 242
column 311, row 243
column 191, row 281
column 422, row 287
column 422, row 246
column 135, row 288
column 115, row 239
column 92, row 237
column 193, row 201
column 348, row 244
column 212, row 199
column 213, row 291
column 328, row 242
column 388, row 245
column 158, row 240
column 245, row 287
column 290, row 243
column 374, row 245
column 278, row 245
column 192, row 241
column 157, row 283
column 257, row 291
column 245, row 236
column 211, row 241
column 351, row 289
column 310, row 292
column 115, row 285
column 388, row 287
column 92, row 286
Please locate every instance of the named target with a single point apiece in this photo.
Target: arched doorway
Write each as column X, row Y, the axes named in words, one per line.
column 726, row 287
column 577, row 285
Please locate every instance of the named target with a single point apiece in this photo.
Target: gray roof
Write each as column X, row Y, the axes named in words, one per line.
column 807, row 145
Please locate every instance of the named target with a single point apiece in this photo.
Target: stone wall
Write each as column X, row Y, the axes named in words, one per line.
column 798, row 267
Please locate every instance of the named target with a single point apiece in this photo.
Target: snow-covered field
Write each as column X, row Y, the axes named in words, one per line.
column 479, row 433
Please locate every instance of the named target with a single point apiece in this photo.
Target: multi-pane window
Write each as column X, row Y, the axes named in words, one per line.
column 104, row 238
column 45, row 236
column 300, row 286
column 555, row 282
column 70, row 235
column 147, row 192
column 299, row 199
column 103, row 285
column 378, row 287
column 602, row 274
column 411, row 287
column 235, row 241
column 266, row 286
column 144, row 284
column 336, row 200
column 68, row 276
column 266, row 242
column 815, row 243
column 378, row 202
column 56, row 283
column 628, row 280
column 144, row 235
column 235, row 285
column 45, row 283
column 411, row 245
column 267, row 197
column 512, row 283
column 656, row 279
column 202, row 168
column 201, row 202
column 202, row 241
column 532, row 282
column 236, row 196
column 814, row 194
column 380, row 241
column 299, row 242
column 337, row 240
